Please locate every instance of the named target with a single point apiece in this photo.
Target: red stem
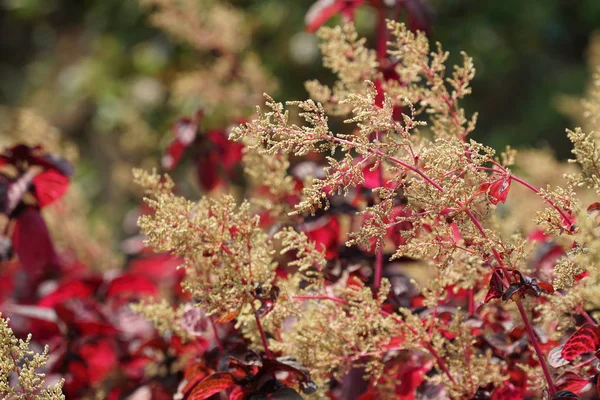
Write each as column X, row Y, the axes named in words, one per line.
column 479, row 227
column 536, row 191
column 585, row 315
column 263, row 336
column 471, row 305
column 216, row 333
column 382, row 36
column 536, row 346
column 379, row 255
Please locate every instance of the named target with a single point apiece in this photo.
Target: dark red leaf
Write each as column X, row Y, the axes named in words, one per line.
column 420, row 15
column 514, row 288
column 54, row 162
column 285, row 393
column 207, row 172
column 564, row 395
column 495, row 287
column 584, row 340
column 526, row 285
column 21, row 153
column 31, row 241
column 213, row 384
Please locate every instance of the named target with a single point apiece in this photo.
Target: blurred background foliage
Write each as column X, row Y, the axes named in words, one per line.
column 103, row 74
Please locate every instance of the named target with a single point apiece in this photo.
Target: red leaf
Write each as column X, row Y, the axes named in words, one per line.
column 548, row 288
column 71, row 289
column 31, row 241
column 49, row 186
column 131, row 285
column 584, row 340
column 593, row 208
column 228, row 317
column 371, row 177
column 83, row 317
column 100, row 357
column 237, row 394
column 213, row 384
column 185, row 131
column 499, row 190
column 134, row 368
column 456, row 233
column 172, row 155
column 230, row 153
column 325, row 232
column 507, row 392
column 483, row 188
column 572, row 382
column 158, row 267
column 380, row 96
column 320, row 12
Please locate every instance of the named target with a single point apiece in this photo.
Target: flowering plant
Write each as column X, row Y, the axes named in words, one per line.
column 373, row 250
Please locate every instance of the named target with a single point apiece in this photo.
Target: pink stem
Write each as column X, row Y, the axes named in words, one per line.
column 536, row 191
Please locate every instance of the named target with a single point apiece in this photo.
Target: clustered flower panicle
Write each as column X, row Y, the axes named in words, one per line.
column 374, row 247
column 18, row 362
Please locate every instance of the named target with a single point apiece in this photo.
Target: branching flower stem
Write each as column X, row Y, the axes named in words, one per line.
column 477, row 223
column 535, row 190
column 18, row 372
